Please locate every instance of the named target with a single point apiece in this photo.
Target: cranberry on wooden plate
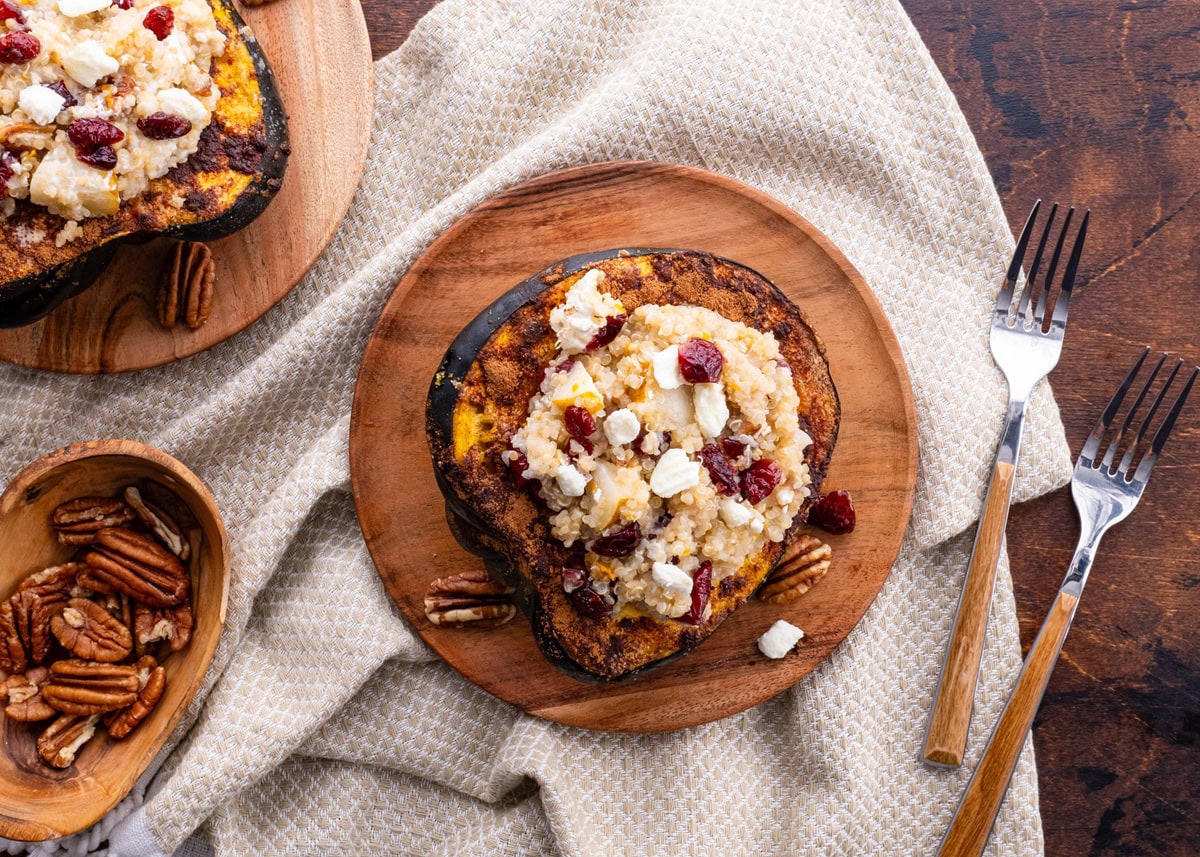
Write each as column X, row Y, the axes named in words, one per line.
column 700, row 362
column 89, row 133
column 833, row 513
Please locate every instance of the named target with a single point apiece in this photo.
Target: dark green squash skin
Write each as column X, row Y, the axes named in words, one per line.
column 31, row 298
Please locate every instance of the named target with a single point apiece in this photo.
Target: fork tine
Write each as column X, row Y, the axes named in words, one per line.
column 1092, row 446
column 1040, row 313
column 1004, row 299
column 1031, row 275
column 1164, row 430
column 1137, row 403
column 1059, row 316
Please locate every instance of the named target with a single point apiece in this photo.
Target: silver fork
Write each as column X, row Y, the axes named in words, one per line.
column 1104, row 494
column 1026, row 342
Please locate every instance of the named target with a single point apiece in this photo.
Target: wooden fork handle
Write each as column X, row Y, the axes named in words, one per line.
column 946, row 736
column 969, row 830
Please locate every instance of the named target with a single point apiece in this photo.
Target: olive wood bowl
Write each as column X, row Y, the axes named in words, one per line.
column 38, row 802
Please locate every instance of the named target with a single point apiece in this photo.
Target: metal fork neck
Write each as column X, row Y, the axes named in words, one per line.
column 1014, row 426
column 1081, row 562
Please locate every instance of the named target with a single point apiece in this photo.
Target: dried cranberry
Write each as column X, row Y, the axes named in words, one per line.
column 620, row 543
column 164, row 126
column 700, row 362
column 101, row 157
column 565, row 366
column 160, row 20
column 90, row 133
column 720, row 471
column 608, row 332
column 18, row 48
column 7, row 161
column 760, row 479
column 589, row 602
column 833, row 513
column 586, row 445
column 732, row 448
column 701, row 589
column 580, row 423
column 61, row 88
column 664, row 442
column 123, row 4
column 517, row 465
column 573, row 578
column 9, row 12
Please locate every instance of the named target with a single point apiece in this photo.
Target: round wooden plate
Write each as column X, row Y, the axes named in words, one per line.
column 602, row 207
column 321, row 56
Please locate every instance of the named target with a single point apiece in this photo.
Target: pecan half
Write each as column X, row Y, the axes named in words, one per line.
column 24, row 693
column 86, row 688
column 185, row 295
column 803, row 564
column 153, row 624
column 160, row 523
column 88, row 630
column 471, row 597
column 59, row 744
column 133, row 563
column 154, row 681
column 26, row 615
column 77, row 521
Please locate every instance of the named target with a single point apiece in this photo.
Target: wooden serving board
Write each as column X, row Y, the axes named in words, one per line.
column 321, row 56
column 602, row 207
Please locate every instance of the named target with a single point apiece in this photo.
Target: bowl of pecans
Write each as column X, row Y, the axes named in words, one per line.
column 114, row 574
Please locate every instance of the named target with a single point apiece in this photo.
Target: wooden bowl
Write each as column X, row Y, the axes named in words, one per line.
column 38, row 802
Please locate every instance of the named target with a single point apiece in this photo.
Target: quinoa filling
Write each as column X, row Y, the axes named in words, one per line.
column 100, row 97
column 667, row 443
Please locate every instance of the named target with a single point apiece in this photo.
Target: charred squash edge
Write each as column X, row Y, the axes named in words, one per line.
column 472, row 532
column 25, row 300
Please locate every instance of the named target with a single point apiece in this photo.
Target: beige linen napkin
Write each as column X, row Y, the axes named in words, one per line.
column 324, row 724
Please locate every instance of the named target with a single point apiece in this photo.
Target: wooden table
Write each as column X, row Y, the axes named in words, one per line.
column 1093, row 103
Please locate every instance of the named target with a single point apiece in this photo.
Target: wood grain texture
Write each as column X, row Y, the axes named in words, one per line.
column 968, row 832
column 320, row 54
column 950, row 717
column 38, row 802
column 630, row 205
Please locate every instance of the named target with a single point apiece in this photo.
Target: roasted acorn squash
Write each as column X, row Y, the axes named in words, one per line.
column 225, row 185
column 480, row 397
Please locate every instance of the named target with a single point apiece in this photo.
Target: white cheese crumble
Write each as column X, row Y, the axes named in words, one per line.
column 570, row 481
column 579, row 318
column 734, row 513
column 712, row 411
column 41, row 104
column 673, row 473
column 87, row 63
column 622, row 426
column 779, row 639
column 666, row 368
column 671, row 577
column 182, row 103
column 575, row 387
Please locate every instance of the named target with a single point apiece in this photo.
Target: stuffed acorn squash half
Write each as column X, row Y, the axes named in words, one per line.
column 123, row 119
column 629, row 440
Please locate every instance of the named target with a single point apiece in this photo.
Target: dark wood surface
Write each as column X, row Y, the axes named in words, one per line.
column 1092, row 102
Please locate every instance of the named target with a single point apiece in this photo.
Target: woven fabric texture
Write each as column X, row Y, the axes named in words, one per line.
column 324, row 724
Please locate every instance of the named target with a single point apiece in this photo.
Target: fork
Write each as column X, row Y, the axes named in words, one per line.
column 1026, row 349
column 1104, row 494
